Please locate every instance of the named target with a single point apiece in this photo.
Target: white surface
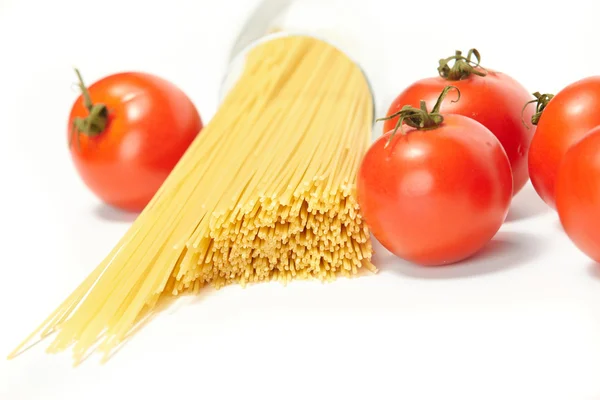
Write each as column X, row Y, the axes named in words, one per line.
column 521, row 321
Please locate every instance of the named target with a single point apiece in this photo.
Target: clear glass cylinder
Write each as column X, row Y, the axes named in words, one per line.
column 337, row 22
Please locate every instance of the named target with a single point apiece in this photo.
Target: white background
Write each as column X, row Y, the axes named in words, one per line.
column 520, row 321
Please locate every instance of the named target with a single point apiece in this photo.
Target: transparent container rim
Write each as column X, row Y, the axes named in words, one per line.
column 238, row 58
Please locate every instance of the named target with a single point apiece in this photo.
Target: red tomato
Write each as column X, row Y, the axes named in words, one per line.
column 436, row 195
column 569, row 116
column 578, row 194
column 492, row 98
column 136, row 130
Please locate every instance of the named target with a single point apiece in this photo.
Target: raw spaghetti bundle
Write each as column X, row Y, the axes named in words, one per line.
column 265, row 192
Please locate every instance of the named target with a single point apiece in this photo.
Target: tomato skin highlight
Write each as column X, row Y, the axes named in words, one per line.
column 495, row 100
column 578, row 194
column 569, row 116
column 151, row 124
column 436, row 197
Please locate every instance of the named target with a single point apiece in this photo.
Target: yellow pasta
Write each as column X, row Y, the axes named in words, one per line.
column 265, row 192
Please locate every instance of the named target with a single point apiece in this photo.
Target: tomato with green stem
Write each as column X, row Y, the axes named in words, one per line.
column 437, row 190
column 562, row 120
column 490, row 97
column 126, row 133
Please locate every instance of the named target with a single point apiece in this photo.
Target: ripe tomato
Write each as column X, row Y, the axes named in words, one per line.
column 568, row 116
column 492, row 98
column 437, row 194
column 127, row 136
column 578, row 194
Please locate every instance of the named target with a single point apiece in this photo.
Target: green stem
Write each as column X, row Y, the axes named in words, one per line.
column 420, row 118
column 541, row 101
column 463, row 67
column 87, row 100
column 95, row 122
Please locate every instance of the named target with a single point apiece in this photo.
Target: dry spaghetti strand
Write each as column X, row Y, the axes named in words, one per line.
column 265, row 192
